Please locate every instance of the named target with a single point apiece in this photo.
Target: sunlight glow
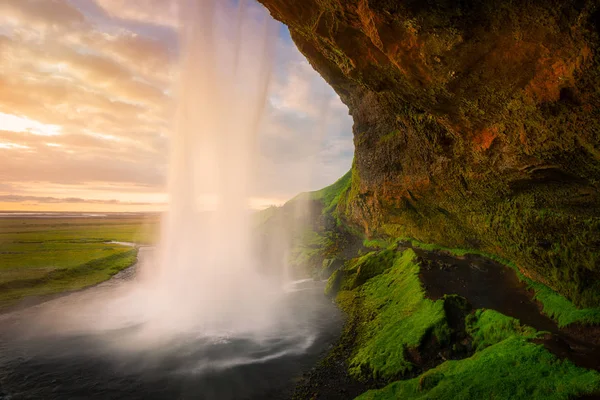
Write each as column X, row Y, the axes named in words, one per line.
column 11, row 146
column 10, row 122
column 103, row 136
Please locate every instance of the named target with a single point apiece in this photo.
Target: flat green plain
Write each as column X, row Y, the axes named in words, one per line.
column 45, row 256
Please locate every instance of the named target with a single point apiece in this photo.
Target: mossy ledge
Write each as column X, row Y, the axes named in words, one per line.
column 475, row 124
column 399, row 343
column 333, row 243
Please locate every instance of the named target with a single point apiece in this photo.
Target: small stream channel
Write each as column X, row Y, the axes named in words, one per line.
column 491, row 285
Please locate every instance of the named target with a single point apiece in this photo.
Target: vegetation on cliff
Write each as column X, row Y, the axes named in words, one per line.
column 476, row 125
column 555, row 305
column 476, row 128
column 400, row 333
column 400, row 343
column 512, row 369
column 394, row 315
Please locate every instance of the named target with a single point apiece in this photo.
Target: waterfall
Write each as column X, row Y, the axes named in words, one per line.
column 206, row 273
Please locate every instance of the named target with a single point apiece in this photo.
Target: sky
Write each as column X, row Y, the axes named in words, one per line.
column 86, row 110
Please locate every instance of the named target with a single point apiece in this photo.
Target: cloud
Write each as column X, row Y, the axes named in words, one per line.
column 101, row 73
column 306, row 138
column 103, row 70
column 159, row 12
column 150, row 57
column 85, row 92
column 44, row 14
column 78, row 110
column 59, row 165
column 72, row 200
column 303, row 91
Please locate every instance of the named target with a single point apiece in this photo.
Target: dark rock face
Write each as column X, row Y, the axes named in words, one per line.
column 476, row 124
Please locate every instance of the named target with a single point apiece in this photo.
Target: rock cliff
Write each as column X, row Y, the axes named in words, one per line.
column 476, row 124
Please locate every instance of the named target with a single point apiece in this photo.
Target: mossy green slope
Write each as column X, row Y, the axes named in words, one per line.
column 396, row 317
column 392, row 317
column 511, row 369
column 331, row 195
column 555, row 305
column 488, row 327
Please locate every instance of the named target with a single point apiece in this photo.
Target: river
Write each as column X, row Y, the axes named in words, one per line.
column 43, row 359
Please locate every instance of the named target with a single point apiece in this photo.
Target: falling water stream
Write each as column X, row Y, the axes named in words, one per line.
column 206, row 268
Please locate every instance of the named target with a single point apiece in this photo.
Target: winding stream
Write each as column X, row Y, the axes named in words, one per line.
column 488, row 284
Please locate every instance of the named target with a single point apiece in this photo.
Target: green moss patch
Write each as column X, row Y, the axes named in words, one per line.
column 511, row 369
column 506, row 365
column 394, row 316
column 392, row 319
column 488, row 327
column 331, row 195
column 377, row 243
column 561, row 309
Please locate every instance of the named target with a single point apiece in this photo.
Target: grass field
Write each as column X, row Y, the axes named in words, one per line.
column 42, row 256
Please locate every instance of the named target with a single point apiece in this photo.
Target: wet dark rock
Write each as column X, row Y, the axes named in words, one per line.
column 477, row 282
column 330, row 265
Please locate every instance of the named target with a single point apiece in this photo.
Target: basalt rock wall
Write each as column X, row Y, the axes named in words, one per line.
column 476, row 124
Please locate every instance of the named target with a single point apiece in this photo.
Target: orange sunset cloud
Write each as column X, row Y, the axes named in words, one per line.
column 86, row 108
